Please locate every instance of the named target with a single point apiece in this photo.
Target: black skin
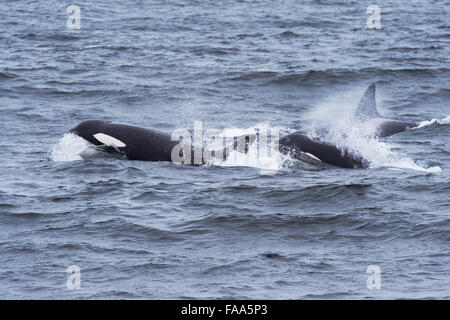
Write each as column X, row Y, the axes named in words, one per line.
column 389, row 128
column 297, row 142
column 142, row 144
column 158, row 145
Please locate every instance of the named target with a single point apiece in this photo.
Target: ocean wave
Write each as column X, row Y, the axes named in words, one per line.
column 335, row 75
column 329, row 226
column 443, row 121
column 320, row 77
column 7, row 75
column 111, row 47
column 63, row 37
column 78, row 92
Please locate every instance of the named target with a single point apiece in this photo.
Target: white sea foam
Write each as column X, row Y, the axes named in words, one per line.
column 358, row 138
column 342, row 130
column 71, row 148
column 262, row 154
column 445, row 120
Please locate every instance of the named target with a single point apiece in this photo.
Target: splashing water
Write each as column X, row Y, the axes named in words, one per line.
column 71, row 148
column 262, row 154
column 344, row 131
column 338, row 126
column 445, row 120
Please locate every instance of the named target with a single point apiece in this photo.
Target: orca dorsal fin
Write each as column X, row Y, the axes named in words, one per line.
column 367, row 108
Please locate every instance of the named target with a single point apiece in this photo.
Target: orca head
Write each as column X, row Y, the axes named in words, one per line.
column 98, row 132
column 87, row 129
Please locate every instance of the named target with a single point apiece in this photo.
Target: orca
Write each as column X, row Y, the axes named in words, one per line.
column 138, row 143
column 135, row 142
column 367, row 113
column 316, row 149
column 301, row 146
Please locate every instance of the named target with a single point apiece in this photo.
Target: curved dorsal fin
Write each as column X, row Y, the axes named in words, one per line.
column 367, row 108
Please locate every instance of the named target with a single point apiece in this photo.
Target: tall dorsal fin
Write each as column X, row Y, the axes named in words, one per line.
column 367, row 108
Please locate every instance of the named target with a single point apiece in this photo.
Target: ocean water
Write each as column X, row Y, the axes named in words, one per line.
column 157, row 230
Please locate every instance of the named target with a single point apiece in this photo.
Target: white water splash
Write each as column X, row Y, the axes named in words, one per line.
column 381, row 154
column 445, row 120
column 263, row 154
column 336, row 124
column 71, row 148
column 344, row 132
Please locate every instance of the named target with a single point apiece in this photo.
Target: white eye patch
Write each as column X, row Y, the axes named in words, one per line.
column 109, row 141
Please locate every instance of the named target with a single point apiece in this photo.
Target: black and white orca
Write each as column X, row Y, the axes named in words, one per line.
column 135, row 142
column 300, row 144
column 150, row 145
column 367, row 113
column 138, row 143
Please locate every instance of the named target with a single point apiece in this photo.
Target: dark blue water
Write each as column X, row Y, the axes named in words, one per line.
column 158, row 230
